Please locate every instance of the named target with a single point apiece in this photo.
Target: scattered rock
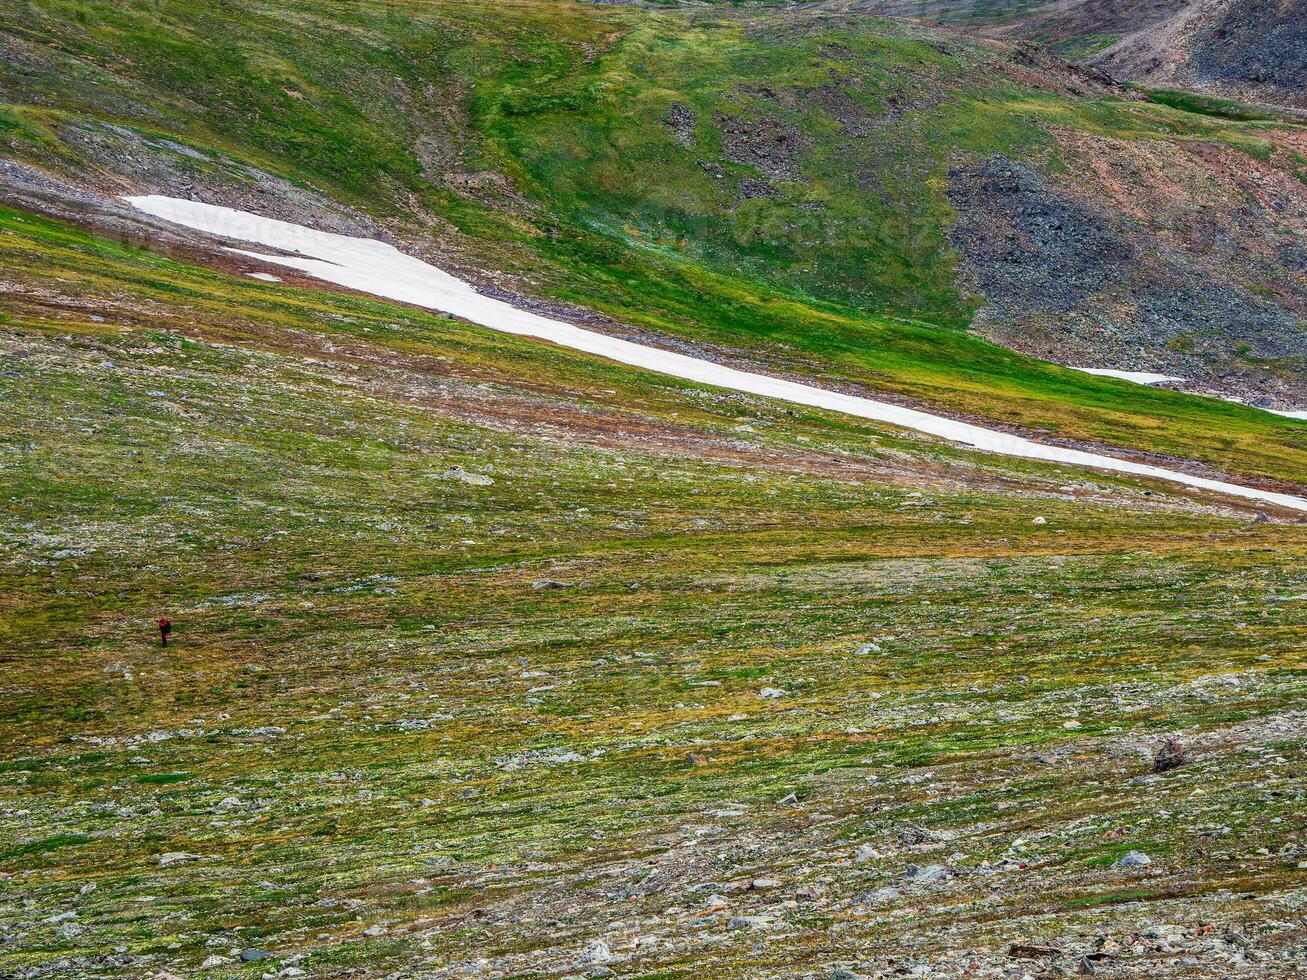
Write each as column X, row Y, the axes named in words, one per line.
column 1170, row 755
column 597, row 952
column 1031, row 951
column 913, row 834
column 1134, row 859
column 681, row 120
column 548, row 583
column 463, row 476
column 877, row 896
column 930, row 874
column 771, row 692
column 254, row 955
column 865, row 852
column 177, row 857
column 769, row 144
column 751, row 188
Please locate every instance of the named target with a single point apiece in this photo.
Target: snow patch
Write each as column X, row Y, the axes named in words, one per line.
column 264, row 276
column 374, row 267
column 1138, row 377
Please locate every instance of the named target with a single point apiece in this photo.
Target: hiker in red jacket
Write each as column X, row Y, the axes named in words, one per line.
column 165, row 627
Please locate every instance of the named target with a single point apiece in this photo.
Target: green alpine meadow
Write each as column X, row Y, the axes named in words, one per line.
column 663, row 490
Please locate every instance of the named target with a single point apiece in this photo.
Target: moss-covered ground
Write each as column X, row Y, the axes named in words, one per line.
column 478, row 646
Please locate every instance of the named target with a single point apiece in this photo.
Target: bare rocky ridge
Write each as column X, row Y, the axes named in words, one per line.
column 1246, row 49
column 1073, row 281
column 1254, row 50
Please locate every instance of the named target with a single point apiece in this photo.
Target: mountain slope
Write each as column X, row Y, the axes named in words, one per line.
column 491, row 658
column 1244, row 49
column 810, row 155
column 1254, row 50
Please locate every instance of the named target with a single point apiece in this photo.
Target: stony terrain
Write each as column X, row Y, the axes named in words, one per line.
column 1061, row 276
column 1254, row 50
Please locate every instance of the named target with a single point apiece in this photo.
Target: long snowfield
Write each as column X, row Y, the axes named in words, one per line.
column 374, row 267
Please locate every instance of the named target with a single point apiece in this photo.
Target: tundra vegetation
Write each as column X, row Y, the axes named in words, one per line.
column 491, row 658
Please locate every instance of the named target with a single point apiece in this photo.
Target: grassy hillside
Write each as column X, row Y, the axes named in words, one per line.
column 399, row 107
column 774, row 184
column 472, row 643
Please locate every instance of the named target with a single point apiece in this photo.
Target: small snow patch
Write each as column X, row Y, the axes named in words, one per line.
column 1138, row 377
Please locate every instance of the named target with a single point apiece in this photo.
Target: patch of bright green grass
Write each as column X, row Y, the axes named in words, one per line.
column 1211, row 105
